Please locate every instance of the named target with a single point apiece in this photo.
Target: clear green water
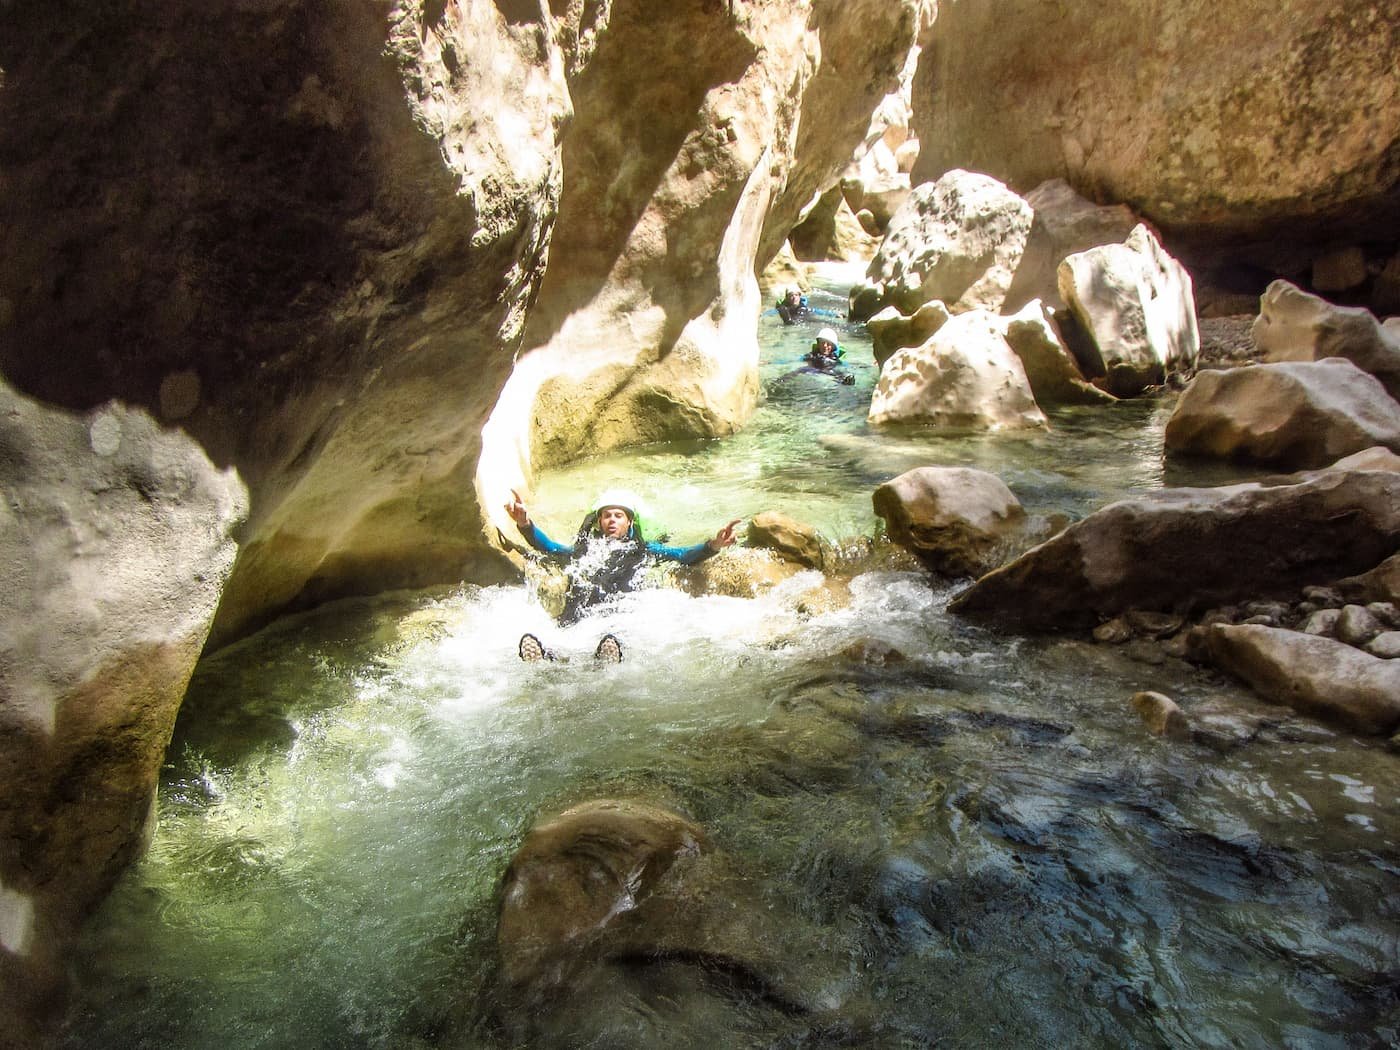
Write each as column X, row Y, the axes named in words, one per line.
column 978, row 847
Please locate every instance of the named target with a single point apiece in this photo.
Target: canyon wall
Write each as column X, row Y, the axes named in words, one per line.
column 1257, row 133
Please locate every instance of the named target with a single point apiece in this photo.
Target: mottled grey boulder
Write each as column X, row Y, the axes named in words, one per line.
column 1294, row 325
column 1295, row 416
column 955, row 520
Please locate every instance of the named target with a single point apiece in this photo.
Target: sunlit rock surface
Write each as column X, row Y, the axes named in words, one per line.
column 965, row 376
column 1295, row 326
column 116, row 537
column 1135, row 304
column 1296, row 416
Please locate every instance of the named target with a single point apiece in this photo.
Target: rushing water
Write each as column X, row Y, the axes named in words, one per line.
column 979, row 846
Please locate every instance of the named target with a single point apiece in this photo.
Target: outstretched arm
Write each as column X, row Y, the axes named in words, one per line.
column 533, row 535
column 724, row 537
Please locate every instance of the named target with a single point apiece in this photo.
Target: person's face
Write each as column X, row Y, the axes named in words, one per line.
column 613, row 522
column 824, row 348
column 793, row 298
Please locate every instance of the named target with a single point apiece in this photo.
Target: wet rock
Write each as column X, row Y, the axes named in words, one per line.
column 575, row 874
column 1386, row 645
column 1134, row 301
column 786, row 537
column 955, row 520
column 873, row 652
column 1184, row 549
column 740, row 572
column 1323, row 623
column 1294, row 325
column 1294, row 416
column 1316, row 676
column 965, row 376
column 1114, row 631
column 1145, row 651
column 1356, row 625
column 1161, row 715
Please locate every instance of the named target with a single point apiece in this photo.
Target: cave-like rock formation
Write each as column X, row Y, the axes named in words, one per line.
column 1270, row 126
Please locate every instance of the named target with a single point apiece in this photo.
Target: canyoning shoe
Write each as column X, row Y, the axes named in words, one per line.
column 531, row 650
column 609, row 650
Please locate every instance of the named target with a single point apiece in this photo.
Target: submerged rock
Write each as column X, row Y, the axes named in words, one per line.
column 1181, row 550
column 1299, row 415
column 790, row 539
column 1161, row 715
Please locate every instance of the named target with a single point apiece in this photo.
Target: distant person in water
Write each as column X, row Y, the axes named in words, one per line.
column 792, row 307
column 608, row 555
column 825, row 357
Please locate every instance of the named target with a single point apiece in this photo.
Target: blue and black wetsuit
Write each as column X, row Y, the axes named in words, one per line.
column 616, row 568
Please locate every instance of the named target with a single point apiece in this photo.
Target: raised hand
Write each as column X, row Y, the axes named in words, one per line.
column 725, row 536
column 516, row 509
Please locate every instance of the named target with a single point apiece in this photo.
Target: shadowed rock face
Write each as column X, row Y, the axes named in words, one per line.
column 306, row 231
column 1269, row 121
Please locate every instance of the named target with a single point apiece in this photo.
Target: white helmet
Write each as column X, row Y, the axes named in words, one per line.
column 624, row 498
column 827, row 335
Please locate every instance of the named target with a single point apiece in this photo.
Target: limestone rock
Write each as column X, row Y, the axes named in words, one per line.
column 1294, row 416
column 1338, row 270
column 1073, row 223
column 1356, row 625
column 1182, row 550
column 1323, row 623
column 1380, row 584
column 1294, row 325
column 575, row 874
column 1135, row 303
column 1161, row 715
column 958, row 240
column 791, row 540
column 1051, row 369
column 784, row 271
column 1317, row 676
column 740, row 572
column 953, row 519
column 891, row 331
column 1386, row 645
column 1210, row 131
column 117, row 538
column 1377, row 457
column 964, row 376
column 830, row 231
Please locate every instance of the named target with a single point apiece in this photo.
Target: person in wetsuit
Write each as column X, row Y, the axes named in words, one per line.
column 606, row 558
column 825, row 357
column 792, row 307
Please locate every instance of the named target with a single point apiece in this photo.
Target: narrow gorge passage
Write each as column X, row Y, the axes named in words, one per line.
column 931, row 833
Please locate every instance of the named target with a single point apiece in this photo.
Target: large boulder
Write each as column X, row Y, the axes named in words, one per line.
column 1182, row 550
column 1052, row 370
column 1243, row 143
column 891, row 331
column 116, row 537
column 1294, row 325
column 955, row 520
column 1318, row 676
column 790, row 539
column 1135, row 304
column 1294, row 416
column 958, row 240
column 965, row 376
